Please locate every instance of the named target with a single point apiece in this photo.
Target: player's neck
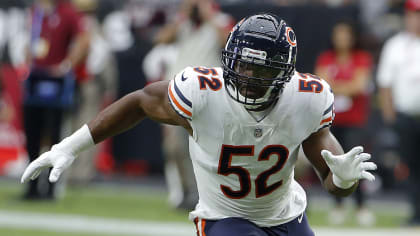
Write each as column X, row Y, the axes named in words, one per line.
column 261, row 112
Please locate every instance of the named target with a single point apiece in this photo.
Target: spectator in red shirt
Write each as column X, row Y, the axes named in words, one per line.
column 348, row 70
column 59, row 42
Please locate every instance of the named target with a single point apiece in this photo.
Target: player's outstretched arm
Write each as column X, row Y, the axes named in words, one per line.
column 151, row 102
column 339, row 171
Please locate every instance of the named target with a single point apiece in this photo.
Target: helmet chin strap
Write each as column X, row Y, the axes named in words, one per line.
column 260, row 107
column 264, row 98
column 233, row 90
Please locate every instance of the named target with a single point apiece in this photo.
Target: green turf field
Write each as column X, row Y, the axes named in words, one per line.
column 129, row 203
column 24, row 232
column 120, row 203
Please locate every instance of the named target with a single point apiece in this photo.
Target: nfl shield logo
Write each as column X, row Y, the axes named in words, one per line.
column 258, row 132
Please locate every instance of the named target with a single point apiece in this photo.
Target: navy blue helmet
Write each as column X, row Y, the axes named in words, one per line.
column 258, row 59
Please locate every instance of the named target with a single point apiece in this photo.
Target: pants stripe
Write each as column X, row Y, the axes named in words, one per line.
column 196, row 226
column 200, row 225
column 203, row 225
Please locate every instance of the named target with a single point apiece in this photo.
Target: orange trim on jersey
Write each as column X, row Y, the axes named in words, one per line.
column 326, row 120
column 177, row 103
column 203, row 225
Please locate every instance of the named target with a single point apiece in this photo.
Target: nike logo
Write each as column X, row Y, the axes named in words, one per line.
column 183, row 78
column 300, row 218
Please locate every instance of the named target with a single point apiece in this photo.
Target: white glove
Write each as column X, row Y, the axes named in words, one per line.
column 350, row 167
column 54, row 158
column 60, row 156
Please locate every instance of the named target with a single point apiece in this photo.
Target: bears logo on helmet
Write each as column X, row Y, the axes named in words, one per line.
column 291, row 37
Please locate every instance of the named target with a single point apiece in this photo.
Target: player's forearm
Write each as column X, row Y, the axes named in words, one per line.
column 334, row 190
column 116, row 118
column 312, row 148
column 329, row 142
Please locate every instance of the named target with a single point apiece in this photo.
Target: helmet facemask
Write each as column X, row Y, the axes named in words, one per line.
column 253, row 80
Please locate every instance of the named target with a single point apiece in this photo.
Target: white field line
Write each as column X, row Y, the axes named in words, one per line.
column 84, row 224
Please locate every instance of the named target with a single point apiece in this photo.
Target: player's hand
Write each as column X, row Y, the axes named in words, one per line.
column 55, row 158
column 350, row 167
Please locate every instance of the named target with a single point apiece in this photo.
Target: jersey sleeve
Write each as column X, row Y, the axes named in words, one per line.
column 326, row 108
column 182, row 93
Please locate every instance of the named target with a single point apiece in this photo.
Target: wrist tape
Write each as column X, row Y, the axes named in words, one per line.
column 77, row 142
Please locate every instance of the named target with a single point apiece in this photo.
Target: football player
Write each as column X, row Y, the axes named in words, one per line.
column 246, row 122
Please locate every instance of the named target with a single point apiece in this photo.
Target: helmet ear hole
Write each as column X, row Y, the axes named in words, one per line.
column 266, row 47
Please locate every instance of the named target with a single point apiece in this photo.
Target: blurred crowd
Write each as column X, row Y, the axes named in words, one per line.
column 63, row 61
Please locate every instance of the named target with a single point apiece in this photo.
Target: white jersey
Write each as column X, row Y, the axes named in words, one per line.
column 245, row 168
